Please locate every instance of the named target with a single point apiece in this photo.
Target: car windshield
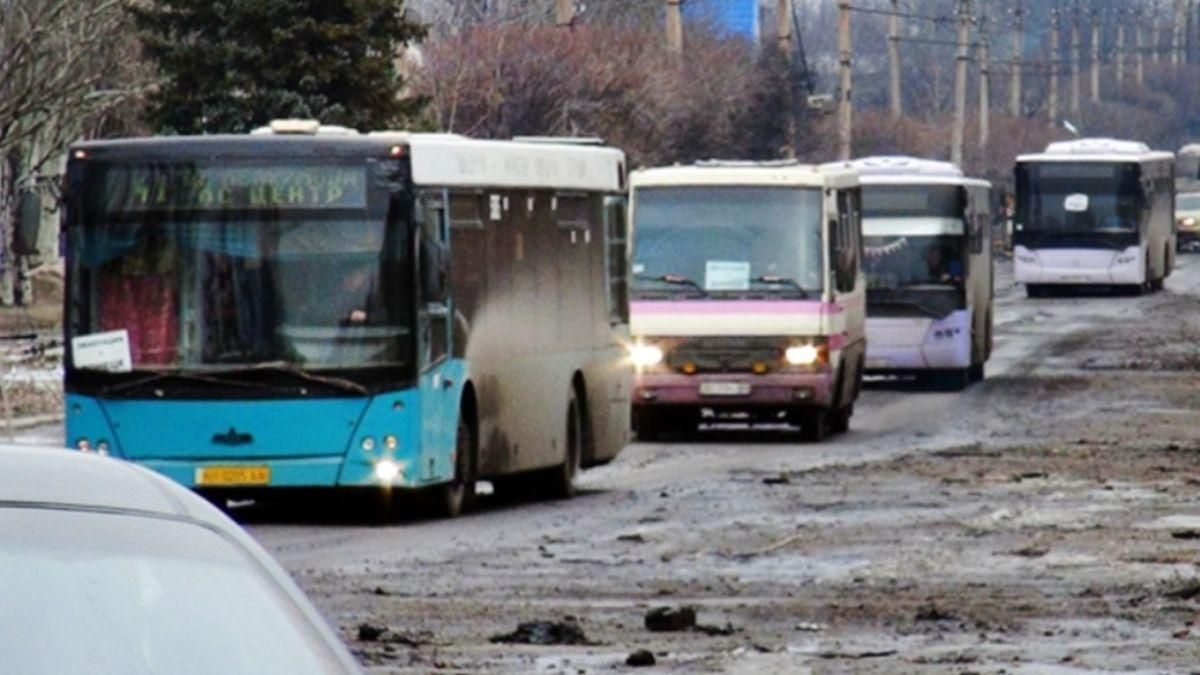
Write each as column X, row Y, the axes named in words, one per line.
column 110, row 594
column 1078, row 198
column 218, row 281
column 728, row 240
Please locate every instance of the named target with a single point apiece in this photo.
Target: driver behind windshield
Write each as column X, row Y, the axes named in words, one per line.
column 942, row 265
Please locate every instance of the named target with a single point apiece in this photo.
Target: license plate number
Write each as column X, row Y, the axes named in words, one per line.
column 233, row 475
column 724, row 389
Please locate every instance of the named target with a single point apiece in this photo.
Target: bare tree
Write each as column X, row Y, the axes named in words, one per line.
column 64, row 65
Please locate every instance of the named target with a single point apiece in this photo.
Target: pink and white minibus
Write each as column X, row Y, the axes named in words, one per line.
column 749, row 296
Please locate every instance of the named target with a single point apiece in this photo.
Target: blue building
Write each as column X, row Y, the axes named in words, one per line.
column 738, row 17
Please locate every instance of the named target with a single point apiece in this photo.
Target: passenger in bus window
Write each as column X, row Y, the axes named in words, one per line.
column 942, row 268
column 139, row 293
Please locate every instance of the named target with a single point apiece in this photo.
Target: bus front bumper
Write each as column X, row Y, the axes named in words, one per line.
column 1079, row 266
column 913, row 344
column 738, row 391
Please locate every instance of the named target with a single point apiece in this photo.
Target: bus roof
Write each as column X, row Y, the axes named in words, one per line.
column 1098, row 150
column 764, row 174
column 900, row 170
column 441, row 160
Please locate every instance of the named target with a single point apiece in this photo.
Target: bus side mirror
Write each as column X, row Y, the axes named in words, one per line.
column 437, row 310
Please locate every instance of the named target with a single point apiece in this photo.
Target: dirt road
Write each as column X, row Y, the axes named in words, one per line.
column 1046, row 521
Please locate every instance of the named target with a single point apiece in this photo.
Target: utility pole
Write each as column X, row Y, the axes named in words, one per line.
column 1014, row 103
column 845, row 101
column 1155, row 40
column 1055, row 63
column 1140, row 56
column 985, row 86
column 894, row 93
column 1121, row 14
column 564, row 12
column 1075, row 85
column 784, row 28
column 962, row 55
column 1176, row 35
column 1095, row 56
column 675, row 27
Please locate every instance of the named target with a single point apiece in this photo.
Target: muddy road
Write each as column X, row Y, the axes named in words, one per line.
column 1045, row 521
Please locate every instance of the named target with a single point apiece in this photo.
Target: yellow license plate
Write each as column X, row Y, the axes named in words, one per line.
column 233, row 475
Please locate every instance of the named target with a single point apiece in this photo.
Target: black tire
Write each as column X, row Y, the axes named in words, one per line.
column 814, row 426
column 559, row 482
column 839, row 420
column 977, row 373
column 648, row 427
column 455, row 498
column 951, row 380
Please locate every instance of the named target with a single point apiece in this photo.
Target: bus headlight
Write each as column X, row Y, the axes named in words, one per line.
column 387, row 471
column 645, row 356
column 802, row 355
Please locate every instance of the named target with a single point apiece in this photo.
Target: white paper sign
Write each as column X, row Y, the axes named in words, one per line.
column 1076, row 203
column 722, row 275
column 103, row 351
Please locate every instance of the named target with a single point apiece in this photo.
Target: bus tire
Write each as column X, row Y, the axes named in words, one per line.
column 452, row 499
column 648, row 427
column 839, row 420
column 814, row 425
column 977, row 372
column 559, row 482
column 951, row 380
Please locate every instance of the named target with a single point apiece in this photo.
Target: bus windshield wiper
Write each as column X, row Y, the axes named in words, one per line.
column 674, row 280
column 782, row 281
column 161, row 375
column 927, row 311
column 291, row 369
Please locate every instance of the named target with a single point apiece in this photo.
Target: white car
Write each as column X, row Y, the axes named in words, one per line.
column 109, row 569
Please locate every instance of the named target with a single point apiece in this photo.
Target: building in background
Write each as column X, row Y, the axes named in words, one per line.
column 736, row 17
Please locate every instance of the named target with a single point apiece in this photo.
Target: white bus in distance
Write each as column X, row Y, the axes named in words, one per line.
column 1094, row 212
column 927, row 254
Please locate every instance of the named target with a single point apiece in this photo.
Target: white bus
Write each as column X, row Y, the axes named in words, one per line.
column 1094, row 212
column 929, row 270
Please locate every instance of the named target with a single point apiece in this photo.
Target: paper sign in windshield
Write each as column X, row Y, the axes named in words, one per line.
column 103, row 351
column 722, row 275
column 1076, row 203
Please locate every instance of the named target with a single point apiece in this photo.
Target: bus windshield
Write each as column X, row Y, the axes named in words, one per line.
column 728, row 240
column 218, row 266
column 1079, row 198
column 925, row 273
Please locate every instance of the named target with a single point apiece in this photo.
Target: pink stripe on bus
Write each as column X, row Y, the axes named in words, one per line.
column 728, row 307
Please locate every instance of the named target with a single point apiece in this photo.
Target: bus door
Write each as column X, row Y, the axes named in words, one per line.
column 440, row 376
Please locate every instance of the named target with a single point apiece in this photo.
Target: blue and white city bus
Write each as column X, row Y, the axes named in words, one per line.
column 308, row 306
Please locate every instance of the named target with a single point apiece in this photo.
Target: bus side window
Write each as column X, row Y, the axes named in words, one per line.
column 846, row 241
column 617, row 258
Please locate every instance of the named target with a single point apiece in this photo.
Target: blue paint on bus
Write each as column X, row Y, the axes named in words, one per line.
column 304, row 442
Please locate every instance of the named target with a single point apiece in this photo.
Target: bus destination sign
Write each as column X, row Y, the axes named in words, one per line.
column 204, row 188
